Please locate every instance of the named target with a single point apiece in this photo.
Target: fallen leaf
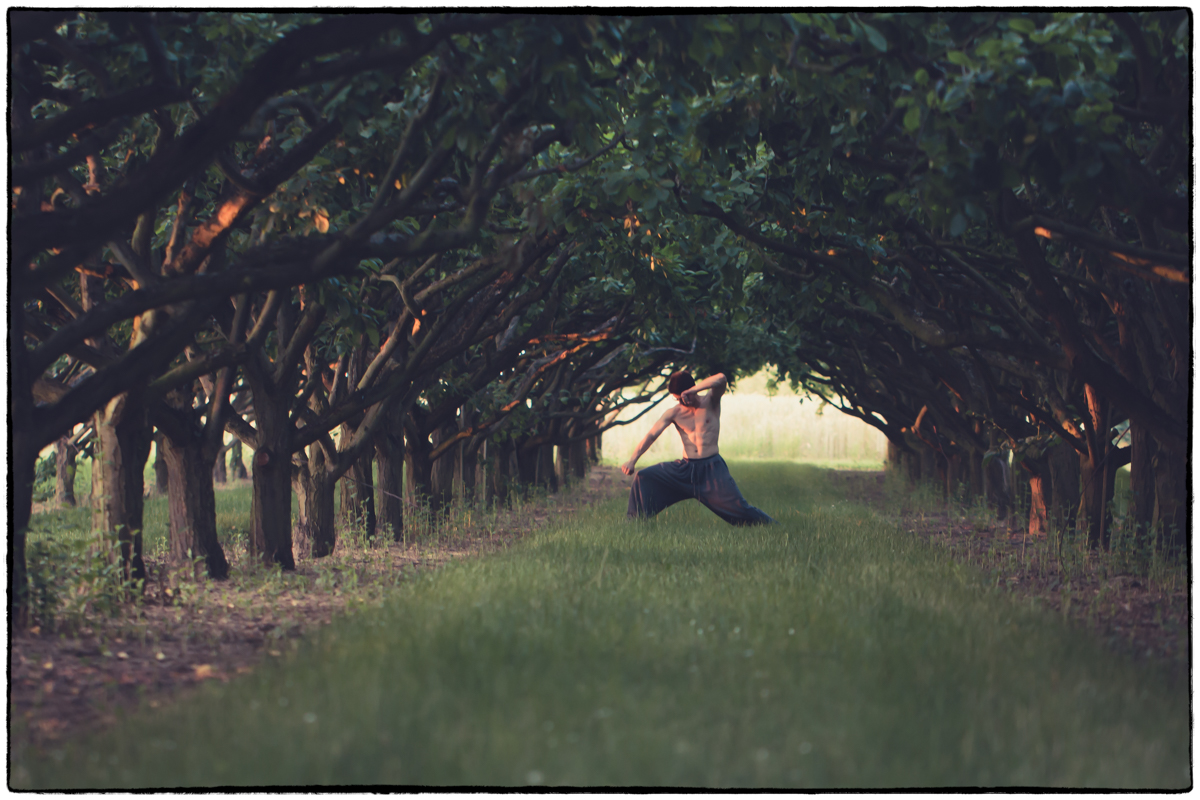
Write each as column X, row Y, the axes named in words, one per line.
column 159, row 655
column 203, row 671
column 122, row 654
column 48, row 665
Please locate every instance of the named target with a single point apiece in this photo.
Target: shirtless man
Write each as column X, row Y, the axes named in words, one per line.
column 701, row 473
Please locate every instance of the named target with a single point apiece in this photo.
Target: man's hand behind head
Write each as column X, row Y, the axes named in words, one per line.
column 689, row 398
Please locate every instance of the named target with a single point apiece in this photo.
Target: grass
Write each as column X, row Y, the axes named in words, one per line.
column 233, row 519
column 1065, row 553
column 830, row 651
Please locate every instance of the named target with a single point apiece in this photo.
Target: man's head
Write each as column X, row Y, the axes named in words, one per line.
column 680, row 382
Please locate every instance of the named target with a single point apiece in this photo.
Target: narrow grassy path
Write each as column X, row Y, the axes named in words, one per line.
column 828, row 651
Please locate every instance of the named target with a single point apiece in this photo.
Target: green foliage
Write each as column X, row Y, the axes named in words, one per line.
column 71, row 579
column 44, row 477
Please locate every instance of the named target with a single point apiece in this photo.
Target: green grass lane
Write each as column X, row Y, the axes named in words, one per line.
column 830, row 651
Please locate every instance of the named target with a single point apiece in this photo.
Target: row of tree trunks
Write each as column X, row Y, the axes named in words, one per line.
column 1054, row 491
column 124, row 437
column 1068, row 490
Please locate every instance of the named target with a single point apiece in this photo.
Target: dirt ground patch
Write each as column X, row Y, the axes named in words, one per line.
column 185, row 631
column 1129, row 613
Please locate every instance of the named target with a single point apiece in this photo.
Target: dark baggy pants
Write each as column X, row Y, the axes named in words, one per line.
column 705, row 479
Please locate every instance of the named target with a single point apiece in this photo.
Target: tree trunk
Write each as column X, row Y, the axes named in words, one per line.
column 912, row 467
column 995, row 482
column 974, row 482
column 894, row 456
column 501, row 470
column 1063, row 468
column 485, row 466
column 1039, row 496
column 358, row 495
column 24, row 453
column 193, row 506
column 22, row 467
column 389, row 461
column 1093, row 515
column 418, row 471
column 527, row 463
column 237, row 466
column 917, row 462
column 562, row 468
column 593, row 449
column 546, row 477
column 1095, row 484
column 64, row 476
column 160, row 465
column 956, row 474
column 1142, row 480
column 1170, row 502
column 219, row 473
column 441, row 478
column 472, row 469
column 122, row 446
column 467, row 456
column 929, row 463
column 577, row 459
column 271, row 506
column 315, row 534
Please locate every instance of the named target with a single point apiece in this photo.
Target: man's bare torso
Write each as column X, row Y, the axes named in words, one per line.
column 699, row 427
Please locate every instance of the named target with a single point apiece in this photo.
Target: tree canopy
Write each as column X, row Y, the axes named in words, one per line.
column 325, row 232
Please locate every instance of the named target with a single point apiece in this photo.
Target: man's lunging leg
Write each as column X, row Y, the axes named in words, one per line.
column 716, row 489
column 657, row 487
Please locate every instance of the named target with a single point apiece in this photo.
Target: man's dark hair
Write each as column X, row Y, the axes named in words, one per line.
column 680, row 382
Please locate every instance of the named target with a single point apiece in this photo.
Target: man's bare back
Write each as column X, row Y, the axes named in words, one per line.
column 697, row 418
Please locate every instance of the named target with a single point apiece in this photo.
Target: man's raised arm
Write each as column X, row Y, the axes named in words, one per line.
column 663, row 422
column 717, row 383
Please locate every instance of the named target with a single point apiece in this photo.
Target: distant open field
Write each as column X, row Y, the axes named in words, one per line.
column 756, row 426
